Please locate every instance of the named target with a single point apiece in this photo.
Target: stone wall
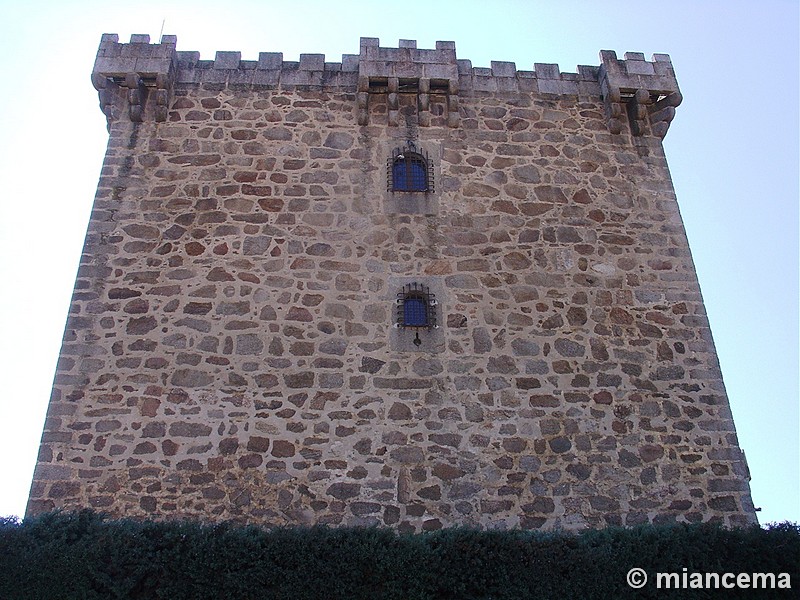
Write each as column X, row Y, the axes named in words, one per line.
column 228, row 352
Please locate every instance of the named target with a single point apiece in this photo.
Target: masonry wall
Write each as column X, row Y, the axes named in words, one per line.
column 228, row 351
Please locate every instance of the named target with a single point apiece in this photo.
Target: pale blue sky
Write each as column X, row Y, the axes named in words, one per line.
column 732, row 150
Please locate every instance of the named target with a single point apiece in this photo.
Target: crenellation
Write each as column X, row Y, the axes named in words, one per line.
column 188, row 59
column 367, row 42
column 464, row 66
column 644, row 92
column 547, row 71
column 227, row 60
column 634, row 56
column 312, row 62
column 350, row 62
column 503, row 69
column 270, row 60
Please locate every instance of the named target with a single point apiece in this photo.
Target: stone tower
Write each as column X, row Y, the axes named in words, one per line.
column 394, row 290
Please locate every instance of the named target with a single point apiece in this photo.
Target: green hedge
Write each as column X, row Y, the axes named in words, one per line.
column 85, row 555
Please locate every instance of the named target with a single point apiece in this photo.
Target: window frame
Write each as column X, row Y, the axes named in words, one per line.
column 409, row 156
column 417, row 292
column 428, row 339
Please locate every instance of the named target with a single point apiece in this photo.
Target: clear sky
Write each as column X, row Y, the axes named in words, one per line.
column 732, row 150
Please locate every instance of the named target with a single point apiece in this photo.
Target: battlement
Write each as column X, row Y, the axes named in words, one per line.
column 645, row 90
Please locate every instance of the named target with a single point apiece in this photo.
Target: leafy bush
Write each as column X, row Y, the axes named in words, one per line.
column 85, row 555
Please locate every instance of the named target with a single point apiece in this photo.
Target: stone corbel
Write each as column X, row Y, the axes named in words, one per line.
column 362, row 100
column 662, row 113
column 613, row 105
column 637, row 111
column 640, row 109
column 393, row 101
column 137, row 97
column 424, row 97
column 424, row 102
column 162, row 105
column 107, row 92
column 133, row 92
column 163, row 86
column 453, row 118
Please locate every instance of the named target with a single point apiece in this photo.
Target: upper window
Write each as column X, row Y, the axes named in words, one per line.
column 409, row 171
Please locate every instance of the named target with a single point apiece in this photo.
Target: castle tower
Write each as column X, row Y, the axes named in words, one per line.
column 393, row 290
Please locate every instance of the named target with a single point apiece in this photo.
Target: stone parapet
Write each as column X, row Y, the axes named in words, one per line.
column 646, row 91
column 270, row 71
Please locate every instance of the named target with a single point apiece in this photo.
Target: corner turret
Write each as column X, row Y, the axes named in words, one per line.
column 647, row 91
column 139, row 75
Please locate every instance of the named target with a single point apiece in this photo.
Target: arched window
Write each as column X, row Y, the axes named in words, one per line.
column 409, row 171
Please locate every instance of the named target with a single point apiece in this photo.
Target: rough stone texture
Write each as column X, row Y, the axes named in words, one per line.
column 227, row 350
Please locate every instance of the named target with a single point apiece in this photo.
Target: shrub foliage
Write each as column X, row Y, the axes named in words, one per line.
column 86, row 555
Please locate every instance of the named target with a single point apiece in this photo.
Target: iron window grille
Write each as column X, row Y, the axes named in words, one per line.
column 416, row 309
column 409, row 170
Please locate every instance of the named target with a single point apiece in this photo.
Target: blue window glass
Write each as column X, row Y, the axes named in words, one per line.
column 409, row 174
column 417, row 175
column 399, row 175
column 415, row 312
